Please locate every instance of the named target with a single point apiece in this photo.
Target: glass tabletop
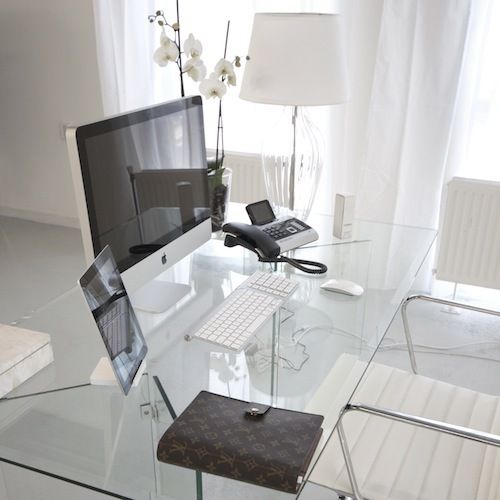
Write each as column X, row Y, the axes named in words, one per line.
column 58, row 424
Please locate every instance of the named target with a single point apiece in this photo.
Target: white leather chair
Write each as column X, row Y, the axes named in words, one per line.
column 405, row 436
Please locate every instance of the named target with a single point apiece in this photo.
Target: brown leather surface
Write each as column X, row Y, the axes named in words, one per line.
column 216, row 435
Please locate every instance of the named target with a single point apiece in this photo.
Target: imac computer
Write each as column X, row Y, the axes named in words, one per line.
column 141, row 187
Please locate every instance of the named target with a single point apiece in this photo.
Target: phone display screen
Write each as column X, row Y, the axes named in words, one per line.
column 260, row 212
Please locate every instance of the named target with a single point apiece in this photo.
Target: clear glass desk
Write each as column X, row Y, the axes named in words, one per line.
column 57, row 424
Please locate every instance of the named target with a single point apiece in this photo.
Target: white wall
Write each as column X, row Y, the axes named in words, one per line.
column 49, row 78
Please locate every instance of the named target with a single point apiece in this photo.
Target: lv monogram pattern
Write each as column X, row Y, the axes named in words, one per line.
column 214, row 434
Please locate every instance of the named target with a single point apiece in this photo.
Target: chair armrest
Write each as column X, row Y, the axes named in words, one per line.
column 426, row 423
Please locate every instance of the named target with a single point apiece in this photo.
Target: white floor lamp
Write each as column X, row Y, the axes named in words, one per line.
column 294, row 60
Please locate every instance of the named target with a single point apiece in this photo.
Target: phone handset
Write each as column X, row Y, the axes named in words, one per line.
column 267, row 250
column 250, row 237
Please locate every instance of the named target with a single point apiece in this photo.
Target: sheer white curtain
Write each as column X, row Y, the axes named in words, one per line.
column 434, row 110
column 475, row 145
column 417, row 73
column 124, row 46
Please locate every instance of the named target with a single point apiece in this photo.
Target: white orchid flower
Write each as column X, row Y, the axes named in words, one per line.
column 167, row 51
column 212, row 87
column 231, row 79
column 163, row 55
column 164, row 39
column 195, row 69
column 192, row 46
column 224, row 68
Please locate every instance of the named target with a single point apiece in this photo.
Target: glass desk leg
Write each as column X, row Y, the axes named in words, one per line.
column 275, row 357
column 199, row 486
column 165, row 398
column 173, row 414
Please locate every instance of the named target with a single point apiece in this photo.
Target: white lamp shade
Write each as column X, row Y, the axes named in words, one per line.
column 296, row 59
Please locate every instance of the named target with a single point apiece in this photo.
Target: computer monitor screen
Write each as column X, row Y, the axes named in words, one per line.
column 107, row 298
column 144, row 178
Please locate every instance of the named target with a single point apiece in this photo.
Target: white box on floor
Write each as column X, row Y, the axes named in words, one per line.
column 22, row 354
column 343, row 216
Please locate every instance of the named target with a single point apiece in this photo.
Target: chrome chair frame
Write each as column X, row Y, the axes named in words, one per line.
column 435, row 425
column 428, row 298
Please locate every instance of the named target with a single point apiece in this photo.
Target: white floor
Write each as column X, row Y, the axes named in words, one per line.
column 38, row 262
column 460, row 349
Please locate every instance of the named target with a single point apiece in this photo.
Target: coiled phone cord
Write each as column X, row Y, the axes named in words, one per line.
column 238, row 234
column 306, row 266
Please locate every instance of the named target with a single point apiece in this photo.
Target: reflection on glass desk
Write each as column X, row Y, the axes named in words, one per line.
column 96, row 437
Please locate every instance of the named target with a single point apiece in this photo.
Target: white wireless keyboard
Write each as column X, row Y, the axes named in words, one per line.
column 244, row 311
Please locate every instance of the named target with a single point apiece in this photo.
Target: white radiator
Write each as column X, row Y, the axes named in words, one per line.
column 469, row 250
column 247, row 184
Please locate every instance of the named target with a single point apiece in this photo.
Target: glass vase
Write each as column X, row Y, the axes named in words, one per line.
column 219, row 192
column 292, row 158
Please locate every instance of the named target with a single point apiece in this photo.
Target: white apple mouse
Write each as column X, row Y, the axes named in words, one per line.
column 343, row 286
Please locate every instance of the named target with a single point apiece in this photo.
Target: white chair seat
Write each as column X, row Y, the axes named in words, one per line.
column 400, row 461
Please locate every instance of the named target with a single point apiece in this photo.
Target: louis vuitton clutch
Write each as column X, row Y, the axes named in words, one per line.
column 258, row 444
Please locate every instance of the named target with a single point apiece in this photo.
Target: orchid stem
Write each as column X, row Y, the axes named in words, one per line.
column 227, row 36
column 220, row 138
column 220, row 127
column 178, row 36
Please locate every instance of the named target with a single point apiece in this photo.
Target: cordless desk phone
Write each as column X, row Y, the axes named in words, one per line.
column 288, row 232
column 265, row 237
